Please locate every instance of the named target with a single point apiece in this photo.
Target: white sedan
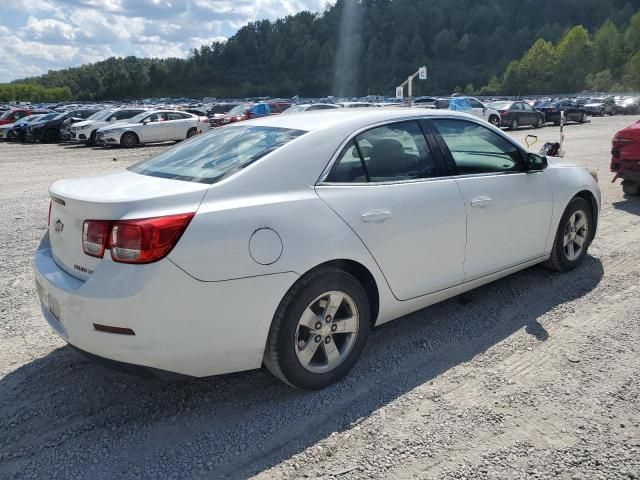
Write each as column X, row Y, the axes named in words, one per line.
column 152, row 127
column 282, row 241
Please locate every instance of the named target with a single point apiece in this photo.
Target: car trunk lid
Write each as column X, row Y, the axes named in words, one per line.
column 119, row 196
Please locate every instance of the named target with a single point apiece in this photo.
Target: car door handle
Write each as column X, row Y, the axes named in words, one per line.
column 376, row 216
column 480, row 202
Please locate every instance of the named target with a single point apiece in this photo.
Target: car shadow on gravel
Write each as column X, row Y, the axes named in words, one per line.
column 61, row 413
column 629, row 205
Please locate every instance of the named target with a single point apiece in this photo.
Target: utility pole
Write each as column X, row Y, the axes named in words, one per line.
column 421, row 74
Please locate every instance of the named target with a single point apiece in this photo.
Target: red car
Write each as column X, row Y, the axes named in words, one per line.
column 10, row 116
column 625, row 158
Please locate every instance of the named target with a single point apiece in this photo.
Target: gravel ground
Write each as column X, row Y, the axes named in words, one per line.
column 533, row 376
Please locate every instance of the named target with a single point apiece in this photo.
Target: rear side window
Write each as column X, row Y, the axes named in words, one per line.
column 216, row 155
column 391, row 153
column 476, row 149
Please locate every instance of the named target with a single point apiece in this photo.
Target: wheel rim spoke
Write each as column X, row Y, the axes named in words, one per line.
column 581, row 223
column 332, row 353
column 579, row 241
column 346, row 325
column 571, row 251
column 306, row 354
column 334, row 302
column 309, row 319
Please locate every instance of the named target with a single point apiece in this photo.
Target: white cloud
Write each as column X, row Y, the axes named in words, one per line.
column 63, row 33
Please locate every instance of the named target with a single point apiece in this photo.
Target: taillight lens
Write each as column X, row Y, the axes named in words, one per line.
column 95, row 235
column 146, row 240
column 134, row 241
column 49, row 219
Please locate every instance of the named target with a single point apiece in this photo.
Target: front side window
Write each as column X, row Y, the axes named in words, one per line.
column 475, row 103
column 390, row 153
column 476, row 149
column 216, row 155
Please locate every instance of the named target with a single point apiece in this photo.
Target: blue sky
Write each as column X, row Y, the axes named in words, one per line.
column 41, row 35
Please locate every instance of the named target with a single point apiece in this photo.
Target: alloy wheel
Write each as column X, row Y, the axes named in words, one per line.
column 575, row 235
column 326, row 332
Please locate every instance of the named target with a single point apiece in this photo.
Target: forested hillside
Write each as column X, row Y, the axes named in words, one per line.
column 369, row 46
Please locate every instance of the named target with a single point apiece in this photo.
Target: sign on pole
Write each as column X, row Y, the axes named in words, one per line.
column 399, row 93
column 422, row 73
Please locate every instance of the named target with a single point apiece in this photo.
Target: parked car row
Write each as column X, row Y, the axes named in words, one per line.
column 126, row 127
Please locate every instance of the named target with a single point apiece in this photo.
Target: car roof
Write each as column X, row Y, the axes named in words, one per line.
column 354, row 118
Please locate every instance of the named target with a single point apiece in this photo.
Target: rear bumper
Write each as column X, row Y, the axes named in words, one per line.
column 181, row 325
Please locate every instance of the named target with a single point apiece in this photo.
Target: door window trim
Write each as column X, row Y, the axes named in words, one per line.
column 444, row 150
column 435, row 153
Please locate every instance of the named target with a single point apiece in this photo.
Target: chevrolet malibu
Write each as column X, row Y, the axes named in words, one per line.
column 282, row 241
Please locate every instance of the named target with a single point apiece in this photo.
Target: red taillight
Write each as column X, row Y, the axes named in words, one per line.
column 146, row 240
column 95, row 235
column 49, row 219
column 134, row 241
column 503, row 112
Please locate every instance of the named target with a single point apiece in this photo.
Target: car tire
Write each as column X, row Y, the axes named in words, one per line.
column 92, row 138
column 192, row 132
column 576, row 224
column 51, row 136
column 514, row 124
column 630, row 188
column 307, row 303
column 583, row 118
column 129, row 140
column 11, row 136
column 495, row 121
column 539, row 123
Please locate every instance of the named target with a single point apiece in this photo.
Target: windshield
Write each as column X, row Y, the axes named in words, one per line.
column 500, row 105
column 222, row 108
column 48, row 116
column 138, row 118
column 297, row 108
column 210, row 158
column 6, row 114
column 59, row 116
column 100, row 115
column 239, row 110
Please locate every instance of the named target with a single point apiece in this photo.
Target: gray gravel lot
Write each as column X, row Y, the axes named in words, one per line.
column 534, row 376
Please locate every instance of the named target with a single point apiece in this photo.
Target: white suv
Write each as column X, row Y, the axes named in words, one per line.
column 481, row 110
column 153, row 126
column 85, row 131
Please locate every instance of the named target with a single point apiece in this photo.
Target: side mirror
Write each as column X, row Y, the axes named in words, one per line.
column 535, row 163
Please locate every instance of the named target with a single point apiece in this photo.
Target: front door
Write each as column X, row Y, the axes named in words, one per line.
column 154, row 129
column 392, row 191
column 508, row 210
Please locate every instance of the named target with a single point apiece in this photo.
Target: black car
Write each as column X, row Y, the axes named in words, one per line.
column 19, row 132
column 516, row 114
column 552, row 111
column 49, row 130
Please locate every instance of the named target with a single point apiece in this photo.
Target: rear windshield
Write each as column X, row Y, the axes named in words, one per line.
column 216, row 155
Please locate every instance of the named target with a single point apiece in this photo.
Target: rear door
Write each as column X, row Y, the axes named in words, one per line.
column 178, row 125
column 508, row 210
column 391, row 188
column 531, row 114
